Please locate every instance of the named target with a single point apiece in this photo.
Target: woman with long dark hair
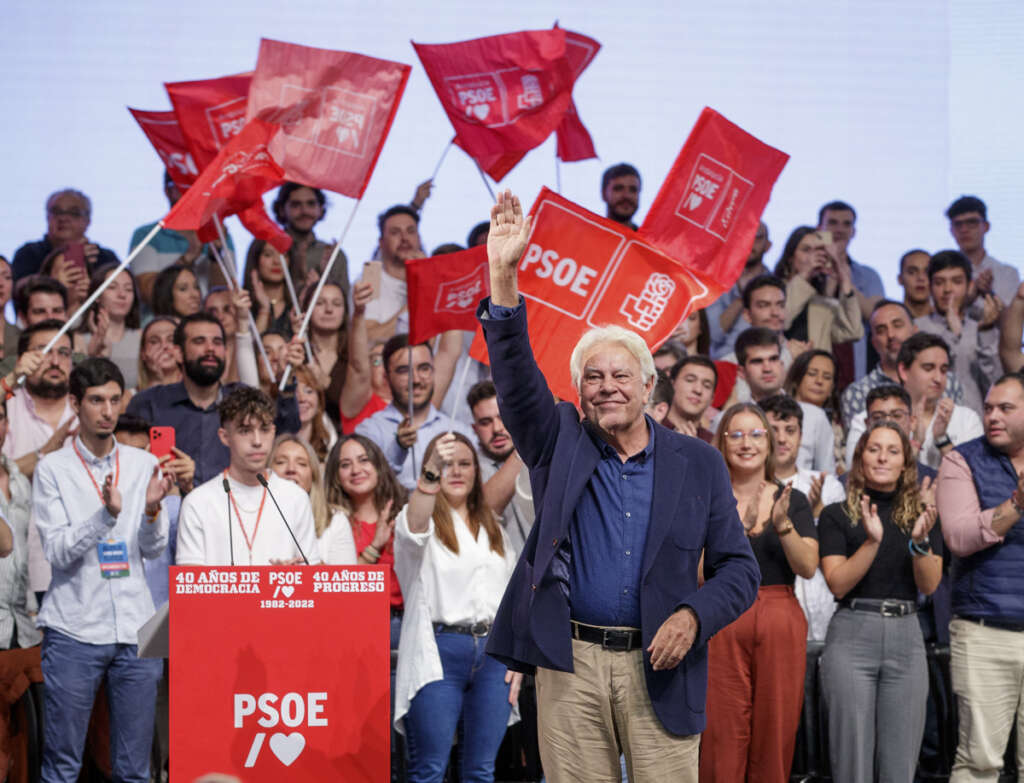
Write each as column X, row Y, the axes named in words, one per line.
column 454, row 561
column 879, row 549
column 176, row 292
column 813, row 379
column 111, row 327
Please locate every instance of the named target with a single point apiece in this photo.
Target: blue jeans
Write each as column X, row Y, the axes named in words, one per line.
column 72, row 672
column 474, row 690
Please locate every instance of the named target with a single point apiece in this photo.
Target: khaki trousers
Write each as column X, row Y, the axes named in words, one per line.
column 987, row 669
column 585, row 719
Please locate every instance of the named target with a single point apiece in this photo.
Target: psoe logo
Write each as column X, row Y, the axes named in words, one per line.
column 226, row 120
column 531, row 95
column 348, row 117
column 291, row 711
column 478, row 98
column 461, row 295
column 643, row 311
column 242, row 162
column 714, row 196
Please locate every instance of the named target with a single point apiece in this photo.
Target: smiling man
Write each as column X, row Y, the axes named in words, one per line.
column 298, row 209
column 606, row 587
column 399, row 241
column 694, row 379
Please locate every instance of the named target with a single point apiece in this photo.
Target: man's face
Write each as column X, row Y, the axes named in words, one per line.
column 891, row 409
column 949, row 289
column 925, row 378
column 612, row 389
column 44, row 305
column 249, row 442
column 277, row 352
column 890, row 326
column 423, row 377
column 50, row 381
column 302, row 210
column 98, row 409
column 762, row 244
column 219, row 305
column 969, row 231
column 763, row 370
column 400, row 239
column 694, row 388
column 841, row 223
column 1004, row 416
column 204, row 353
column 767, row 308
column 622, row 195
column 914, row 278
column 67, row 218
column 490, row 430
column 787, row 440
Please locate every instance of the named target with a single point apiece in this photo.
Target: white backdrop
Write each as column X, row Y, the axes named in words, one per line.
column 896, row 107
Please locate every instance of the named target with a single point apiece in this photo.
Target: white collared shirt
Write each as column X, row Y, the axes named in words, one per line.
column 27, row 431
column 72, row 521
column 16, row 600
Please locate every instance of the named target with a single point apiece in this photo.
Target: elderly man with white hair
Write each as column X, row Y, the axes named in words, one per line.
column 604, row 604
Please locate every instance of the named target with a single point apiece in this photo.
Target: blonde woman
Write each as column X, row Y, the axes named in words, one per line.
column 293, row 458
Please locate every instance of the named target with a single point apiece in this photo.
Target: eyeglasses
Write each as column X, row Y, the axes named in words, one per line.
column 755, row 435
column 893, row 416
column 77, row 214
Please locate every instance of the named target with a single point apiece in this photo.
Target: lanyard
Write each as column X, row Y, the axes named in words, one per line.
column 259, row 514
column 117, row 470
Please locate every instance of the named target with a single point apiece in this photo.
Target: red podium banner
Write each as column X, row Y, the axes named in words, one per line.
column 280, row 673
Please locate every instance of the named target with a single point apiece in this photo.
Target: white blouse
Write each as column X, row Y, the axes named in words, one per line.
column 440, row 586
column 337, row 546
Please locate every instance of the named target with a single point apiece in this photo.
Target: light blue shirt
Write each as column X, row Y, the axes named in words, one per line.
column 382, row 427
column 72, row 520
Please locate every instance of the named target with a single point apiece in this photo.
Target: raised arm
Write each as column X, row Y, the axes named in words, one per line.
column 358, row 379
column 506, row 242
column 1011, row 333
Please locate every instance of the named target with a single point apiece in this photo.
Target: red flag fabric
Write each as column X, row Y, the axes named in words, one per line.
column 334, row 108
column 211, row 112
column 706, row 213
column 574, row 141
column 444, row 292
column 504, row 94
column 580, row 270
column 258, row 223
column 164, row 133
column 234, row 181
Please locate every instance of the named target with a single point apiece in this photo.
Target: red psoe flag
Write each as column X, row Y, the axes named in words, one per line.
column 211, row 112
column 334, row 108
column 444, row 292
column 504, row 94
column 258, row 223
column 706, row 213
column 234, row 181
column 164, row 133
column 574, row 141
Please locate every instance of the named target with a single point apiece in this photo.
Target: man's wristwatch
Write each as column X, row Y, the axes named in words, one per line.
column 943, row 442
column 430, row 476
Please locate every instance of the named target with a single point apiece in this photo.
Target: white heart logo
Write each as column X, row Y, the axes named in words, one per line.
column 287, row 747
column 288, row 590
column 342, row 134
column 695, row 201
column 481, row 110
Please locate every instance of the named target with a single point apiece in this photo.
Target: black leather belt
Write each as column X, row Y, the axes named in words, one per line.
column 615, row 639
column 887, row 607
column 984, row 621
column 480, row 628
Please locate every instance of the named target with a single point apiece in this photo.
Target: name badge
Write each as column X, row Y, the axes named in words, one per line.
column 113, row 557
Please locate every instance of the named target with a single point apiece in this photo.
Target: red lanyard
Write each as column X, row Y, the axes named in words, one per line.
column 259, row 514
column 117, row 470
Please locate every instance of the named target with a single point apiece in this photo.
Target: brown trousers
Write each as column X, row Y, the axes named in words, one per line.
column 756, row 671
column 587, row 718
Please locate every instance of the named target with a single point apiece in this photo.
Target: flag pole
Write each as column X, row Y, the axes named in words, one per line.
column 558, row 173
column 486, row 183
column 412, row 451
column 233, row 285
column 320, row 285
column 84, row 307
column 458, row 392
column 295, row 299
column 444, row 154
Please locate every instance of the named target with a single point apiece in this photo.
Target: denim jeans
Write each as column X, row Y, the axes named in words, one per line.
column 72, row 672
column 474, row 690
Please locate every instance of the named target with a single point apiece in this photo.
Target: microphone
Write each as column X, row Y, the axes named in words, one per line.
column 231, row 539
column 263, row 480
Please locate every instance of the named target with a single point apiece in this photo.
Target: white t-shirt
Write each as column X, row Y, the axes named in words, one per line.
column 337, row 545
column 394, row 295
column 258, row 537
column 964, row 425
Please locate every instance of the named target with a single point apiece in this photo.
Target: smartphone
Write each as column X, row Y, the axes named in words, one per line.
column 827, row 236
column 161, row 441
column 75, row 254
column 371, row 275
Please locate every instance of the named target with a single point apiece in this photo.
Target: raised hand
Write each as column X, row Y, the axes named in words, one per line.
column 943, row 413
column 406, row 434
column 780, row 507
column 111, row 496
column 181, row 467
column 157, row 489
column 362, row 293
column 385, row 528
column 990, row 312
column 814, row 494
column 509, row 231
column 242, row 303
column 870, row 519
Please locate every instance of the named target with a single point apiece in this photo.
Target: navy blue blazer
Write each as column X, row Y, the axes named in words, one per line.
column 693, row 512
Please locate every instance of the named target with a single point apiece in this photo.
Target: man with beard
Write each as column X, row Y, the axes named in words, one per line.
column 190, row 406
column 298, row 209
column 40, row 414
column 399, row 241
column 727, row 315
column 620, row 191
column 403, row 439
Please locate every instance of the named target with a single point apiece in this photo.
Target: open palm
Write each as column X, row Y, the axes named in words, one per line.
column 508, row 233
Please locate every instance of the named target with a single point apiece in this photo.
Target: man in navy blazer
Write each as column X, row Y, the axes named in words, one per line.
column 604, row 605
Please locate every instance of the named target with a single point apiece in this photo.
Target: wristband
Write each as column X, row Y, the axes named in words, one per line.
column 430, row 490
column 430, row 476
column 943, row 442
column 919, row 550
column 786, row 530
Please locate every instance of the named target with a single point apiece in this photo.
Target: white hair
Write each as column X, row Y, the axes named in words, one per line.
column 631, row 341
column 86, row 203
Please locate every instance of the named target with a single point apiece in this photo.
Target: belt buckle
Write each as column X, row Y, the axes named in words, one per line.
column 892, row 609
column 479, row 628
column 607, row 637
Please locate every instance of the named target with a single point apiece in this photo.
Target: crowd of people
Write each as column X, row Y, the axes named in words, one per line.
column 873, row 445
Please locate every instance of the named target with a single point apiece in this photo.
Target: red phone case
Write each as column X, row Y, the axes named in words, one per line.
column 161, row 441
